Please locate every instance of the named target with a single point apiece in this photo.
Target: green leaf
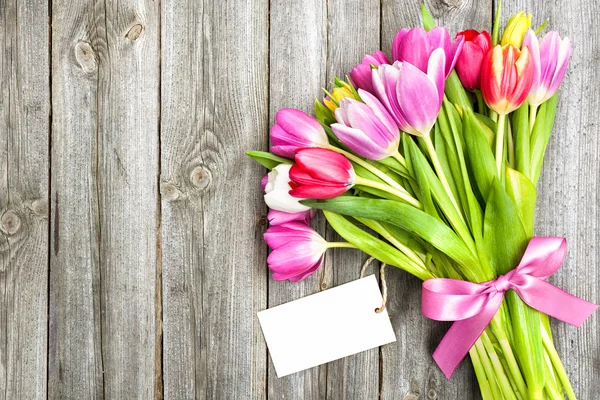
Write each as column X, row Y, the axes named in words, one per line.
column 541, row 27
column 456, row 92
column 412, row 220
column 496, row 27
column 520, row 127
column 428, row 22
column 541, row 136
column 480, row 158
column 422, row 184
column 523, row 194
column 503, row 233
column 268, row 160
column 371, row 245
column 324, row 115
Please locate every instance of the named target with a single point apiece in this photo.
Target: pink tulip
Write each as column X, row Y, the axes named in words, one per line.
column 297, row 251
column 416, row 45
column 360, row 76
column 366, row 128
column 295, row 129
column 414, row 98
column 550, row 58
column 320, row 174
column 468, row 65
column 277, row 217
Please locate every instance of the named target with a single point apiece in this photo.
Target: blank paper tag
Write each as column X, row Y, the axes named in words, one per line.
column 326, row 326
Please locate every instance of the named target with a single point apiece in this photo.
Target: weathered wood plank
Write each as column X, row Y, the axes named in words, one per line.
column 105, row 75
column 214, row 108
column 353, row 31
column 24, row 160
column 569, row 189
column 408, row 368
column 297, row 70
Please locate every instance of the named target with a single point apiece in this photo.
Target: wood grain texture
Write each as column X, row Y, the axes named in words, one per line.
column 569, row 189
column 24, row 160
column 353, row 31
column 214, row 108
column 408, row 368
column 298, row 48
column 103, row 328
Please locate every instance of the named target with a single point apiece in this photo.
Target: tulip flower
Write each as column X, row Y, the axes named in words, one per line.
column 366, row 128
column 416, row 46
column 468, row 65
column 320, row 174
column 515, row 29
column 295, row 129
column 297, row 251
column 360, row 76
column 412, row 97
column 338, row 94
column 277, row 217
column 277, row 191
column 550, row 58
column 506, row 78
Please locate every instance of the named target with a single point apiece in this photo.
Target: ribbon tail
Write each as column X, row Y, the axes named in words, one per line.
column 551, row 300
column 462, row 335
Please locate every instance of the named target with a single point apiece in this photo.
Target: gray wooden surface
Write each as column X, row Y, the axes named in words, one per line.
column 132, row 263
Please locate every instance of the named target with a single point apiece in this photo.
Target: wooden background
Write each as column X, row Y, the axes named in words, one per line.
column 132, row 263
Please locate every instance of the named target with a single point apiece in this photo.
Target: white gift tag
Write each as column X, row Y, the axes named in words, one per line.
column 326, row 326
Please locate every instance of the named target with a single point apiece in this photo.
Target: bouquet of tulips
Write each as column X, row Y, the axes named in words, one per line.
column 429, row 161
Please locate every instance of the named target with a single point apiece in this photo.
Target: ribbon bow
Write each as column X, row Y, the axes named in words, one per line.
column 473, row 305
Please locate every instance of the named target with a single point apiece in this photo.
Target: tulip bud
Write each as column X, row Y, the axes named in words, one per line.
column 468, row 65
column 366, row 128
column 277, row 191
column 413, row 98
column 360, row 76
column 320, row 174
column 506, row 78
column 550, row 58
column 297, row 251
column 337, row 94
column 515, row 29
column 295, row 129
column 416, row 45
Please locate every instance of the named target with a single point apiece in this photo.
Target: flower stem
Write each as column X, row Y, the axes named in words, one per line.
column 484, row 386
column 480, row 102
column 401, row 194
column 400, row 159
column 487, row 367
column 440, row 172
column 500, row 143
column 332, row 245
column 511, row 361
column 532, row 115
column 381, row 175
column 511, row 148
column 501, row 377
column 559, row 368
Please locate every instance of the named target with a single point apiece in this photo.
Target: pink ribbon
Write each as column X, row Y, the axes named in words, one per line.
column 473, row 305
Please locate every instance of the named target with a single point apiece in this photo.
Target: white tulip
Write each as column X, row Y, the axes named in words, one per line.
column 277, row 194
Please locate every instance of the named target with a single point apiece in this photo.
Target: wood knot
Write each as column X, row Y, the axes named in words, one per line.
column 169, row 191
column 39, row 208
column 10, row 222
column 432, row 394
column 324, row 286
column 135, row 32
column 86, row 57
column 200, row 177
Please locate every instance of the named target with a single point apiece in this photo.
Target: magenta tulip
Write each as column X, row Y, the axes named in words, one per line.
column 295, row 129
column 550, row 58
column 468, row 65
column 297, row 251
column 360, row 76
column 320, row 174
column 366, row 128
column 277, row 217
column 416, row 45
column 414, row 98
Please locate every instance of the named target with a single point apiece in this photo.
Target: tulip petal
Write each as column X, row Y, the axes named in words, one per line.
column 379, row 110
column 397, row 44
column 360, row 76
column 325, row 165
column 415, row 48
column 319, row 192
column 435, row 71
column 295, row 257
column 308, row 272
column 276, row 217
column 419, row 99
column 360, row 142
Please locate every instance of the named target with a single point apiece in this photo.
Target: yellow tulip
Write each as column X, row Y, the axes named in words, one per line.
column 338, row 94
column 515, row 30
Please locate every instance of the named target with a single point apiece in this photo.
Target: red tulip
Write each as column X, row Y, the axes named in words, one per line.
column 468, row 65
column 320, row 174
column 506, row 78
